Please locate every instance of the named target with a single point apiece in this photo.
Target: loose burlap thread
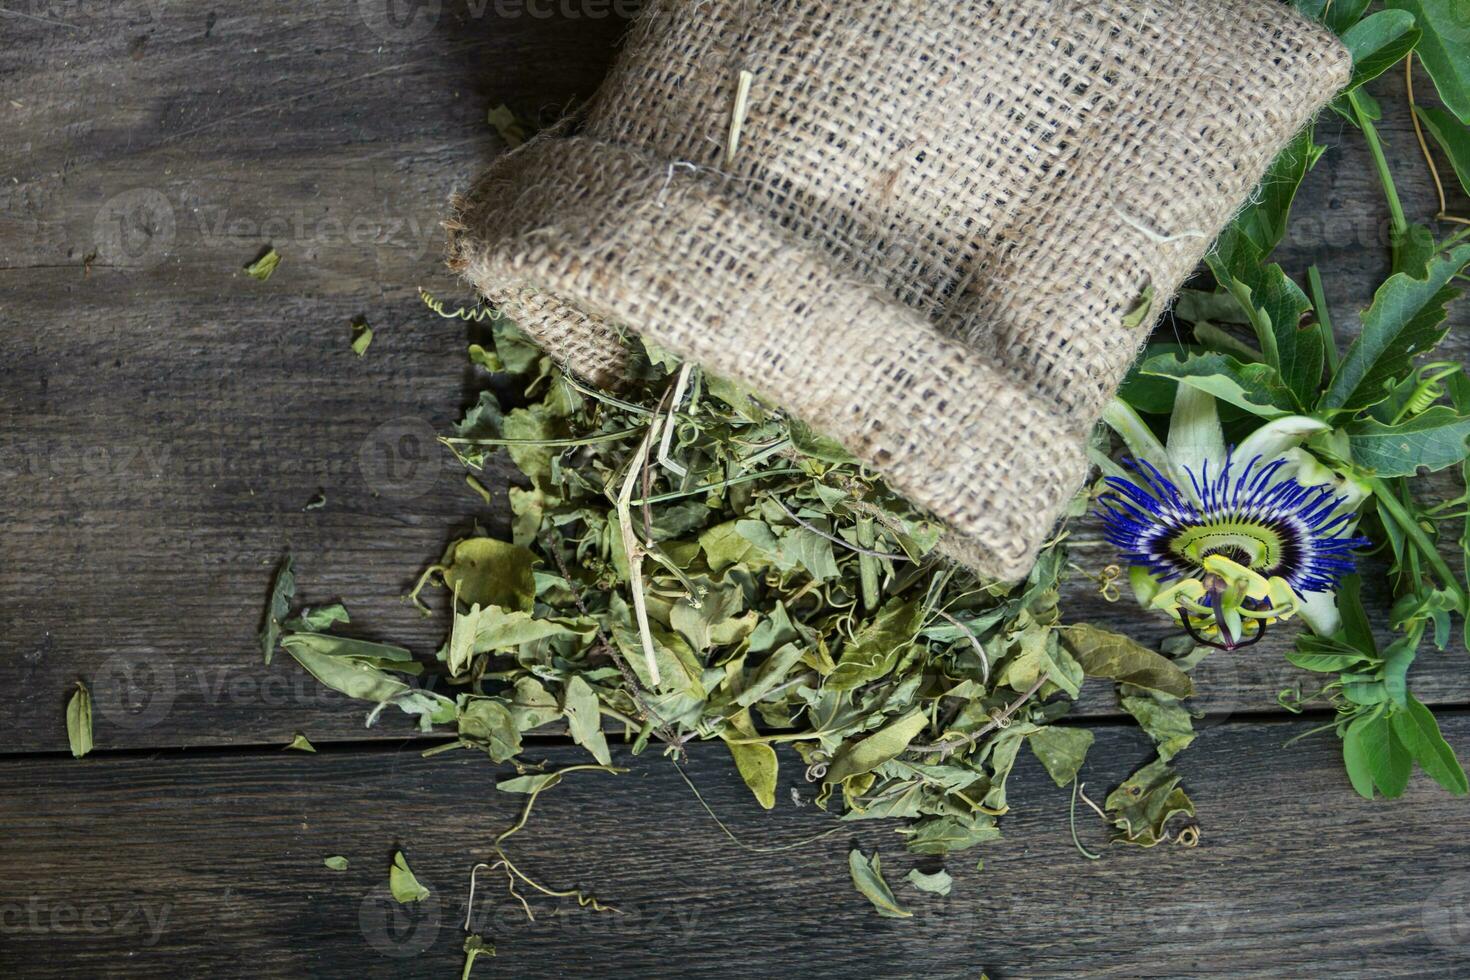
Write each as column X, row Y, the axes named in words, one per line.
column 929, row 237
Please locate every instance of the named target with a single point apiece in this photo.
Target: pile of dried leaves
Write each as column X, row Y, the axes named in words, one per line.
column 687, row 563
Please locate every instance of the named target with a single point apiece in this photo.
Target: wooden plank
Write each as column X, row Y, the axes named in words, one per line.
column 141, row 865
column 167, row 418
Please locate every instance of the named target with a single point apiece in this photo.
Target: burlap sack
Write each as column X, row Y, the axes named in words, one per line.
column 935, row 221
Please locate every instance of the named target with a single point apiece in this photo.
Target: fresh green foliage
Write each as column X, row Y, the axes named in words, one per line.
column 79, row 721
column 1452, row 137
column 336, row 862
column 1370, row 418
column 1444, row 48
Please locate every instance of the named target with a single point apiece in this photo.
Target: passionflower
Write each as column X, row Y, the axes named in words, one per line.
column 1239, row 552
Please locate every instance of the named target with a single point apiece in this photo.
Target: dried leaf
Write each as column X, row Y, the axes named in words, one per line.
column 938, row 883
column 301, row 744
column 868, row 877
column 401, row 882
column 79, row 721
column 1111, row 655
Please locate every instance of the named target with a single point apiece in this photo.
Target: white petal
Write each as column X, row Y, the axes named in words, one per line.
column 1276, row 437
column 1136, row 435
column 1319, row 609
column 1195, row 436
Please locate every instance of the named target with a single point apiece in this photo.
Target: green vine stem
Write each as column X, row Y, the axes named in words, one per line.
column 1399, row 223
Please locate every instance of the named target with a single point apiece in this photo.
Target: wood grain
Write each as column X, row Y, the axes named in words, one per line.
column 167, row 417
column 210, row 864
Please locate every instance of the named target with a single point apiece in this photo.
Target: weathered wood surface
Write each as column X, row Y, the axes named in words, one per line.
column 211, row 865
column 164, row 419
column 167, row 418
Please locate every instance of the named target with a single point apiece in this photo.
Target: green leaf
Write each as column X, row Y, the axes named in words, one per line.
column 533, row 783
column 1388, row 760
column 403, row 884
column 1378, row 42
column 1453, row 138
column 362, row 338
column 938, row 883
column 1061, row 751
column 318, row 619
column 1355, row 758
column 868, row 877
column 1263, row 221
column 1357, row 631
column 488, row 724
column 942, row 834
column 1257, row 388
column 1325, row 663
column 79, row 721
column 1444, row 48
column 875, row 648
column 1397, row 659
column 757, row 765
column 724, row 546
column 1430, row 441
column 488, row 572
column 771, row 672
column 869, row 753
column 262, row 267
column 505, row 122
column 1166, row 722
column 1037, row 655
column 339, row 664
column 336, row 862
column 301, row 744
column 1420, row 734
column 1405, row 320
column 584, row 719
column 809, row 442
column 1111, row 655
column 283, row 590
column 1146, row 802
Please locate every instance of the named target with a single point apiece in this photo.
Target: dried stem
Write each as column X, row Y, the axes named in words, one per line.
column 947, row 746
